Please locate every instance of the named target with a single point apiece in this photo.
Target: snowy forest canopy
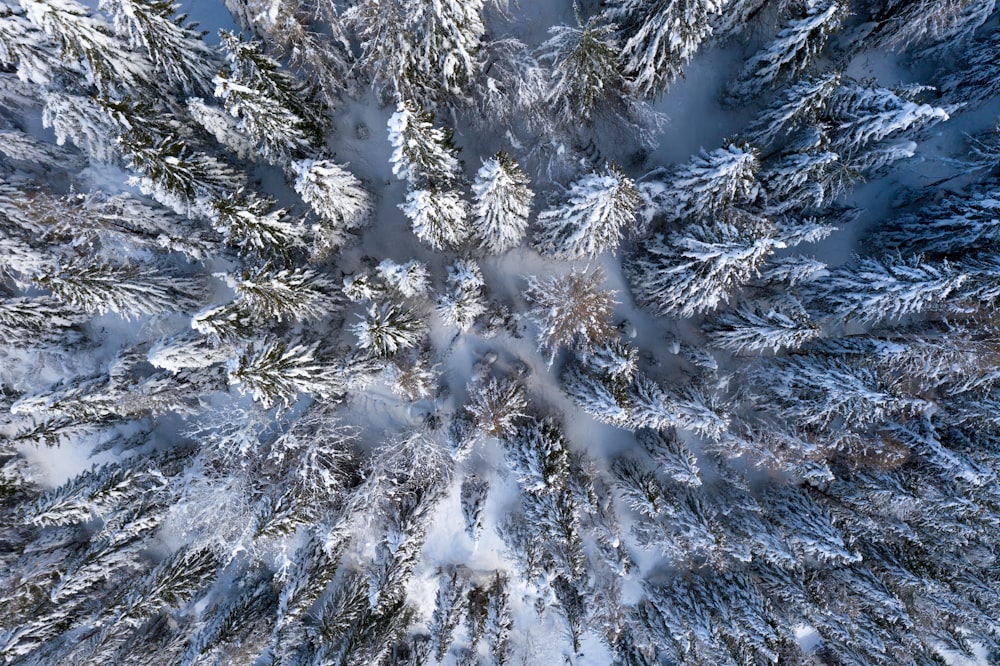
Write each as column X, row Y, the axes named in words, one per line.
column 633, row 332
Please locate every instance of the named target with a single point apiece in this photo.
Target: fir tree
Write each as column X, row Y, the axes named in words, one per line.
column 273, row 108
column 449, row 606
column 873, row 290
column 600, row 209
column 585, row 69
column 129, row 290
column 473, row 498
column 801, row 104
column 864, row 115
column 276, row 372
column 792, row 51
column 177, row 51
column 901, row 25
column 710, row 184
column 387, row 329
column 463, row 302
column 698, row 269
column 422, row 154
column 409, row 280
column 661, row 37
column 503, row 204
column 257, row 230
column 108, row 62
column 438, row 217
column 751, row 331
column 336, row 196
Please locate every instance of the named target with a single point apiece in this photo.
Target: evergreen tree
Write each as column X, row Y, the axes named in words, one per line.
column 696, row 270
column 274, row 109
column 438, row 217
column 710, row 184
column 108, row 62
column 751, row 331
column 661, row 37
column 387, row 329
column 600, row 209
column 257, row 230
column 334, row 194
column 873, row 290
column 463, row 302
column 473, row 497
column 503, row 204
column 863, row 115
column 425, row 52
column 792, row 51
column 25, row 47
column 802, row 103
column 177, row 51
column 901, row 25
column 449, row 606
column 409, row 280
column 129, row 290
column 277, row 372
column 586, row 72
column 422, row 154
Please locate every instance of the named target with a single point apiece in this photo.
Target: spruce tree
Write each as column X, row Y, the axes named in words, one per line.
column 503, row 204
column 661, row 37
column 599, row 211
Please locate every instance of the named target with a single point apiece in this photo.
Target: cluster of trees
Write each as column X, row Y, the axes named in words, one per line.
column 186, row 296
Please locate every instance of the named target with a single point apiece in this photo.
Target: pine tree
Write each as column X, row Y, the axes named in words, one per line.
column 801, row 104
column 697, row 270
column 438, row 217
column 257, row 230
column 463, row 302
column 949, row 228
column 600, row 209
column 864, row 115
column 571, row 311
column 586, row 71
column 25, row 47
column 498, row 620
column 409, row 280
column 873, row 290
column 334, row 194
column 300, row 294
column 503, row 204
column 129, row 290
column 177, row 51
column 387, row 329
column 661, row 37
column 422, row 154
column 821, row 392
column 791, row 52
column 752, row 331
column 449, row 34
column 710, row 184
column 277, row 372
column 473, row 498
column 977, row 82
column 902, row 25
column 223, row 127
column 274, row 109
column 108, row 62
column 449, row 606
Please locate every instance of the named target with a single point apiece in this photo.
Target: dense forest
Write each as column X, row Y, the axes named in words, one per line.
column 474, row 332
